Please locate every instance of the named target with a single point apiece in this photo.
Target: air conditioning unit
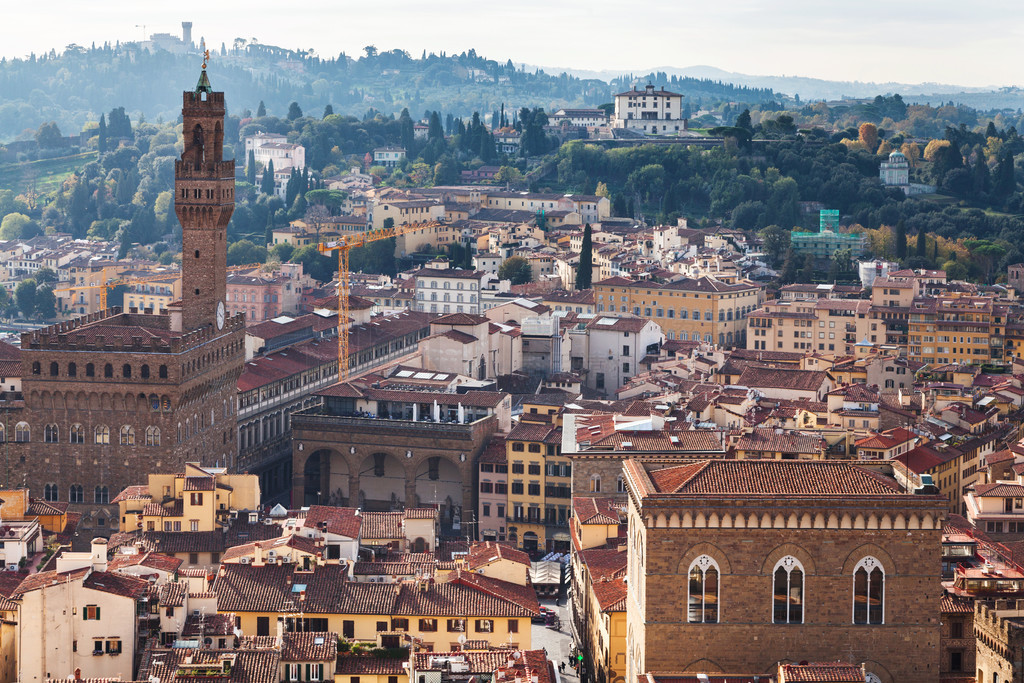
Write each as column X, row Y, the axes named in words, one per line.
column 286, row 559
column 245, row 560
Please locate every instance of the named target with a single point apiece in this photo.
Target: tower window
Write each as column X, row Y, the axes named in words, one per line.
column 197, row 253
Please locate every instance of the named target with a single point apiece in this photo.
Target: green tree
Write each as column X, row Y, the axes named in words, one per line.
column 788, row 274
column 294, row 111
column 517, row 269
column 250, row 168
column 408, row 133
column 25, row 297
column 45, row 276
column 743, row 121
column 49, row 137
column 18, row 226
column 261, row 110
column 46, row 302
column 585, row 269
column 921, row 247
column 318, row 266
column 282, row 251
column 808, row 270
column 901, row 241
column 776, row 242
column 245, row 251
column 328, row 111
column 434, row 129
column 267, row 184
column 101, row 139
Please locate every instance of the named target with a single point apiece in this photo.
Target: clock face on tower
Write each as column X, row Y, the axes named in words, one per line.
column 220, row 315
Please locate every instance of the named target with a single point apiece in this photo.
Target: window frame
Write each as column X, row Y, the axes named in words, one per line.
column 704, row 564
column 789, row 564
column 868, row 565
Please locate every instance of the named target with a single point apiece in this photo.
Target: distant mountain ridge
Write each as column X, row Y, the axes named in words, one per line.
column 806, row 87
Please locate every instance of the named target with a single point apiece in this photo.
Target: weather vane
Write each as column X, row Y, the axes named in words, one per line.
column 206, row 57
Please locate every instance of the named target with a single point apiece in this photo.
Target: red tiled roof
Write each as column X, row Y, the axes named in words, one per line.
column 274, row 588
column 467, row 595
column 45, row 579
column 952, row 604
column 771, row 477
column 999, row 489
column 366, row 665
column 611, row 594
column 158, row 561
column 117, row 584
column 769, row 440
column 133, row 493
column 341, row 521
column 782, row 378
column 484, row 552
column 523, row 596
column 822, row 672
column 310, row 646
column 251, row 664
column 595, row 510
column 382, row 525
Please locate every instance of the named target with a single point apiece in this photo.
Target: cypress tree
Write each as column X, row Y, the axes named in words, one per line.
column 101, row 143
column 250, row 168
column 585, row 269
column 267, row 184
column 328, row 111
column 901, row 241
column 261, row 110
column 922, row 244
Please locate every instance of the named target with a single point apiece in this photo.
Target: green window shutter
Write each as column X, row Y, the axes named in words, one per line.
column 307, row 672
column 97, row 612
column 320, row 668
column 85, row 613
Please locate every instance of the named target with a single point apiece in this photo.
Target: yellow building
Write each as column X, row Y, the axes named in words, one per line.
column 704, row 309
column 383, row 614
column 954, row 328
column 539, row 487
column 199, row 499
column 15, row 505
column 156, row 295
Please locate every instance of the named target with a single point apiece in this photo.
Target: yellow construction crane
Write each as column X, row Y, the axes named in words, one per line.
column 343, row 246
column 106, row 286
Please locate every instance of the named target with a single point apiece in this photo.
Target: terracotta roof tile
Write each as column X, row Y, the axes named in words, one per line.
column 484, row 552
column 383, row 526
column 822, row 672
column 595, row 510
column 251, row 665
column 772, row 477
column 365, row 665
column 309, row 646
column 341, row 521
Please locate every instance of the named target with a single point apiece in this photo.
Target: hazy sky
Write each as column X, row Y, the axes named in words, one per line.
column 968, row 43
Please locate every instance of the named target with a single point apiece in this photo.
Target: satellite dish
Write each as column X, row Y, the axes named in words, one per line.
column 462, row 639
column 517, row 654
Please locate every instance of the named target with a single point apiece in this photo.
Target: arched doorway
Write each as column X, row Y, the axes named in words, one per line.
column 337, row 492
column 311, row 479
column 439, row 483
column 381, row 483
column 529, row 541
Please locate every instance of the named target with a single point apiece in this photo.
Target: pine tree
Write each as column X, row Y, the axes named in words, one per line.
column 901, row 241
column 267, row 184
column 261, row 110
column 101, row 143
column 250, row 168
column 585, row 269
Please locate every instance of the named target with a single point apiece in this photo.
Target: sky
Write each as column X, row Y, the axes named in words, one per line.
column 977, row 43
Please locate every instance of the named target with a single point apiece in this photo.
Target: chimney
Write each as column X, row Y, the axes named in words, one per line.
column 280, row 631
column 257, row 559
column 99, row 554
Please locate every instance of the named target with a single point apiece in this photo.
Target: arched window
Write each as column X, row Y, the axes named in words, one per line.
column 108, row 370
column 152, row 436
column 702, row 599
column 22, row 433
column 163, row 372
column 101, row 496
column 51, row 433
column 788, row 591
column 595, row 483
column 75, row 494
column 77, row 433
column 72, row 370
column 101, row 434
column 54, row 369
column 51, row 493
column 179, row 432
column 90, row 370
column 126, row 370
column 620, row 484
column 144, row 371
column 127, row 435
column 36, row 368
column 868, row 592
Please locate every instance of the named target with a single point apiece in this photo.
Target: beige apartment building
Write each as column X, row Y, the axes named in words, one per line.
column 702, row 309
column 820, row 325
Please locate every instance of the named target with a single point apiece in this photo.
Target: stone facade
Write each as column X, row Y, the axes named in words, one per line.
column 999, row 630
column 746, row 538
column 113, row 396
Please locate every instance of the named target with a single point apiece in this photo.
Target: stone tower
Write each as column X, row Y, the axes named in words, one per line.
column 204, row 198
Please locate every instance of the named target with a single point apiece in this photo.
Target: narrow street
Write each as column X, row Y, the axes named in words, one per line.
column 557, row 643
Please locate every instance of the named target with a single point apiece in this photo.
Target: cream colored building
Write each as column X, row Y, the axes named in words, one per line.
column 649, row 110
column 155, row 295
column 199, row 499
column 819, row 325
column 84, row 621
